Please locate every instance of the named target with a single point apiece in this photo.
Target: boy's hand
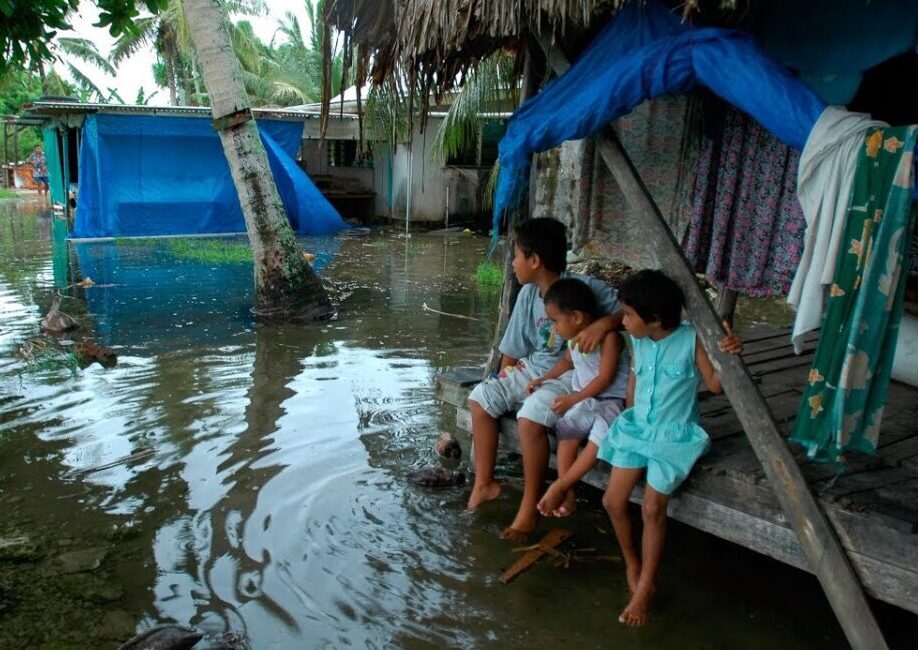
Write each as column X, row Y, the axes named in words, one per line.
column 731, row 342
column 535, row 383
column 552, row 499
column 590, row 337
column 563, row 403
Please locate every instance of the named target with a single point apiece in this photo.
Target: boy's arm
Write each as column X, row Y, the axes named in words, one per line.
column 561, row 366
column 608, row 364
column 593, row 334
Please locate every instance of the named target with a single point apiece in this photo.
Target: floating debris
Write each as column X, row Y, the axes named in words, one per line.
column 88, row 352
column 164, row 637
column 448, row 447
column 57, row 321
column 437, row 477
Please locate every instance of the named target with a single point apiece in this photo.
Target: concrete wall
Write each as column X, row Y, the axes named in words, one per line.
column 389, row 176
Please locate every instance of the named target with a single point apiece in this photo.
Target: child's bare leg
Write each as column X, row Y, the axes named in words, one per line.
column 534, row 443
column 484, row 448
column 567, row 454
column 621, row 482
column 654, row 515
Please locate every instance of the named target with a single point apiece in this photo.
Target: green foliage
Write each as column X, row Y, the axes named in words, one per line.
column 18, row 87
column 29, row 26
column 211, row 251
column 488, row 274
column 7, row 194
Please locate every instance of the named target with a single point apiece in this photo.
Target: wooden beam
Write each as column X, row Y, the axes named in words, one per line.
column 821, row 547
column 511, row 287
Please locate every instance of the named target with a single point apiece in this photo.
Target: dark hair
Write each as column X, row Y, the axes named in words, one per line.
column 654, row 296
column 570, row 295
column 546, row 238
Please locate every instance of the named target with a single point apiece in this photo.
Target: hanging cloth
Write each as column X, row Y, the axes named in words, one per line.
column 746, row 225
column 826, row 168
column 842, row 404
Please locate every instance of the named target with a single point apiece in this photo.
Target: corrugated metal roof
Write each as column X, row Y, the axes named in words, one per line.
column 51, row 109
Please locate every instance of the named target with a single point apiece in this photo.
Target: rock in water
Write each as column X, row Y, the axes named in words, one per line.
column 448, row 447
column 56, row 321
column 437, row 477
column 163, row 637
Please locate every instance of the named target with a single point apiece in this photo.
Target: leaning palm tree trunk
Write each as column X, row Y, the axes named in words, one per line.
column 285, row 286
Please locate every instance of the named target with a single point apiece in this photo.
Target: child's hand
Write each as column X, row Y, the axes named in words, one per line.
column 535, row 383
column 563, row 403
column 731, row 342
column 589, row 337
column 552, row 499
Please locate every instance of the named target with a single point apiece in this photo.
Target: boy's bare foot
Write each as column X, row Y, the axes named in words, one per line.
column 482, row 494
column 519, row 536
column 568, row 506
column 635, row 612
column 633, row 575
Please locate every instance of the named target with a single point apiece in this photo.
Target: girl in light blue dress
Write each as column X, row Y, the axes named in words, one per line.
column 659, row 433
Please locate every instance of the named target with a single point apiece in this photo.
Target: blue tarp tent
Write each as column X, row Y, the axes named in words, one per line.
column 646, row 52
column 143, row 175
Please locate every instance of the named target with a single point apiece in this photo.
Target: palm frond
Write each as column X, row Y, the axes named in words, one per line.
column 85, row 82
column 84, row 50
column 129, row 43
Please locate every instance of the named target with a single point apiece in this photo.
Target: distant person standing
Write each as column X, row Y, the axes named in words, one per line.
column 39, row 170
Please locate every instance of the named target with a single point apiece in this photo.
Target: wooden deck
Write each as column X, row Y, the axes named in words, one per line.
column 873, row 506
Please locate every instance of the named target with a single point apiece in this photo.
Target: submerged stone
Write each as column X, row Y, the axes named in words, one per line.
column 83, row 560
column 163, row 637
column 18, row 548
column 437, row 477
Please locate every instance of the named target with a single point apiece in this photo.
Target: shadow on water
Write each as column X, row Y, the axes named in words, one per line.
column 276, row 502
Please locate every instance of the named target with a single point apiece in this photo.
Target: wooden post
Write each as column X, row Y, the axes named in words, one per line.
column 818, row 539
column 511, row 288
column 726, row 304
column 65, row 173
column 6, row 155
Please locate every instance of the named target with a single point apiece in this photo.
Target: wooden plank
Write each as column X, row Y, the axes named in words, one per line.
column 453, row 387
column 896, row 452
column 821, row 546
column 547, row 544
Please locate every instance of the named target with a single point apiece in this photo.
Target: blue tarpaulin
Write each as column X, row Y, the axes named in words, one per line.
column 646, row 52
column 144, row 175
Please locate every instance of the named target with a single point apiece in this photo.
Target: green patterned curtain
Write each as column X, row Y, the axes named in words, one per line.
column 842, row 405
column 53, row 158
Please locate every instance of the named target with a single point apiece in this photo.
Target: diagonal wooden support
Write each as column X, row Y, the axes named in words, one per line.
column 821, row 546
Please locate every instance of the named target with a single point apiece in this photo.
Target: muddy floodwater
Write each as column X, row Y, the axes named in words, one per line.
column 270, row 498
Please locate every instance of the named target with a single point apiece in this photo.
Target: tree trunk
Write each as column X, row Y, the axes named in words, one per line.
column 285, row 286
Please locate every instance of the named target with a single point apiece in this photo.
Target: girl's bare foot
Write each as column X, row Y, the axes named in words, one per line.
column 522, row 528
column 482, row 494
column 633, row 575
column 635, row 612
column 568, row 506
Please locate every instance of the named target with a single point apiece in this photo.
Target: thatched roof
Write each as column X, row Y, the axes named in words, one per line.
column 435, row 40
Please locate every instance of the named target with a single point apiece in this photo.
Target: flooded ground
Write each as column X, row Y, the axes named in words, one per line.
column 275, row 503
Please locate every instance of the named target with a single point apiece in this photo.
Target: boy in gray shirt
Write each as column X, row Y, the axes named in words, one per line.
column 530, row 348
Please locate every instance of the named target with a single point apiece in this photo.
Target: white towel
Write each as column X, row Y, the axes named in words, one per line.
column 824, row 178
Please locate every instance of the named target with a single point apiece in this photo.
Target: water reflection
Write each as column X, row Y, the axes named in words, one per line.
column 275, row 503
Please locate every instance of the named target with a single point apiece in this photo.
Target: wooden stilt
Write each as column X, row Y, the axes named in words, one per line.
column 511, row 287
column 816, row 535
column 726, row 304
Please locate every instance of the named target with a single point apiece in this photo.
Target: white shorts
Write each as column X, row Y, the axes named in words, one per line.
column 589, row 418
column 508, row 393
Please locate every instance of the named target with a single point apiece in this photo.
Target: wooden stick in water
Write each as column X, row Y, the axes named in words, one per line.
column 545, row 547
column 143, row 453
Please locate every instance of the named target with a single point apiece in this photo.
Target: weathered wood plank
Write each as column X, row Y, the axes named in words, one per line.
column 545, row 546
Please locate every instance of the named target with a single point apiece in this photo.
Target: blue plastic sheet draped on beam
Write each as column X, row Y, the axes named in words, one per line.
column 646, row 52
column 158, row 175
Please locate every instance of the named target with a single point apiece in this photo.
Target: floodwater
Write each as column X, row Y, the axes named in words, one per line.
column 275, row 503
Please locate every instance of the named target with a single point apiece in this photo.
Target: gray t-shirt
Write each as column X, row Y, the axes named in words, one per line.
column 529, row 334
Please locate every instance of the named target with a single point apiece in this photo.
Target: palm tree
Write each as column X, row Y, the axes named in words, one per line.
column 168, row 33
column 68, row 49
column 285, row 286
